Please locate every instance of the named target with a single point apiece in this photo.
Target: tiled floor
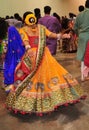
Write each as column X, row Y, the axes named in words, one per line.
column 75, row 117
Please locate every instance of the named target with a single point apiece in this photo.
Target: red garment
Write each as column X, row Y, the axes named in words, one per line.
column 86, row 56
column 22, row 65
column 33, row 41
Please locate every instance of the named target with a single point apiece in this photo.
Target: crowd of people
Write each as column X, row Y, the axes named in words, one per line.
column 34, row 81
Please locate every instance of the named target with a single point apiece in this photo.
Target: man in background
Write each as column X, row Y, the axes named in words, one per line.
column 81, row 28
column 53, row 25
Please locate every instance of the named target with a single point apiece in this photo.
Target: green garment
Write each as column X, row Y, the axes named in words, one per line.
column 1, row 48
column 3, row 44
column 81, row 28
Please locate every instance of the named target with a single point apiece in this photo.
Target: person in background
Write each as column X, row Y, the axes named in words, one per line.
column 69, row 45
column 19, row 24
column 59, row 19
column 81, row 28
column 37, row 13
column 17, row 16
column 40, row 84
column 12, row 21
column 3, row 40
column 51, row 23
column 15, row 50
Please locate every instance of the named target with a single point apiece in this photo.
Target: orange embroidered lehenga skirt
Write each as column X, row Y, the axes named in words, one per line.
column 42, row 84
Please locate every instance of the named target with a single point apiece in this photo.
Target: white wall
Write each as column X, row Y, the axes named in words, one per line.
column 62, row 7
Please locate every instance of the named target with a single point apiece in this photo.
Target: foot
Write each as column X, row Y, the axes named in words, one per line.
column 85, row 79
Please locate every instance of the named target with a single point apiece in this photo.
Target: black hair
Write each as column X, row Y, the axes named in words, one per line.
column 87, row 4
column 56, row 15
column 3, row 28
column 47, row 9
column 25, row 14
column 37, row 11
column 37, row 14
column 81, row 8
column 17, row 16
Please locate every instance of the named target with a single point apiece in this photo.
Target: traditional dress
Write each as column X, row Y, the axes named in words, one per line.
column 15, row 50
column 41, row 84
column 81, row 28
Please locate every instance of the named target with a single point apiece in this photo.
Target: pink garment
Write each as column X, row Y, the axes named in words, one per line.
column 86, row 71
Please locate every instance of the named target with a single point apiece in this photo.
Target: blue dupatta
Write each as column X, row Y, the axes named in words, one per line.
column 15, row 51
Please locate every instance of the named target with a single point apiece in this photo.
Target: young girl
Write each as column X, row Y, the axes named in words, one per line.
column 40, row 83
